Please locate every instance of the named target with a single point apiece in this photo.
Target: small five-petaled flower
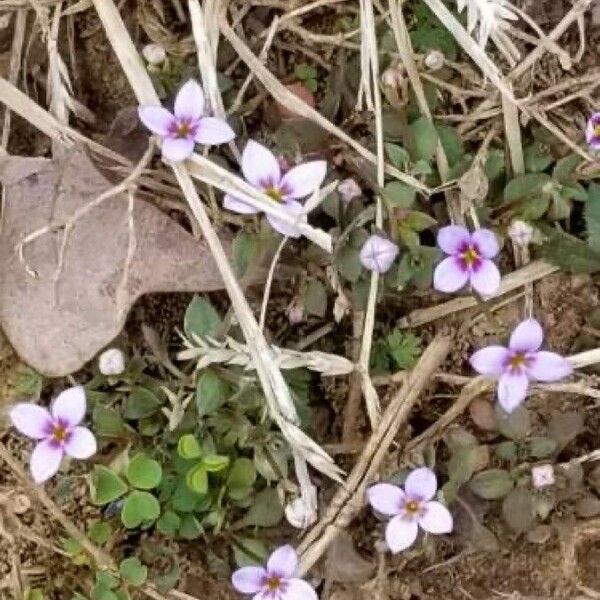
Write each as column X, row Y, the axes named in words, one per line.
column 521, row 361
column 57, row 430
column 469, row 260
column 277, row 581
column 378, row 254
column 410, row 508
column 188, row 126
column 592, row 132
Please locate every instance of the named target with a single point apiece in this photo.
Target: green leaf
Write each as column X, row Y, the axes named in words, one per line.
column 190, row 528
column 348, row 263
column 404, row 348
column 241, row 478
column 107, row 422
column 568, row 252
column 197, row 479
column 211, row 392
column 425, row 137
column 133, row 571
column 315, row 299
column 184, row 499
column 266, row 511
column 105, row 486
column 311, row 84
column 99, row 592
column 409, row 237
column 495, row 164
column 462, row 465
column 421, row 167
column 399, row 194
column 213, row 463
column 248, row 552
column 451, row 143
column 518, row 509
column 537, row 157
column 514, row 425
column 99, row 532
column 304, row 71
column 143, row 472
column 106, row 580
column 201, row 318
column 34, row 594
column 140, row 403
column 592, row 217
column 506, row 451
column 397, row 154
column 169, row 523
column 139, row 508
column 541, row 447
column 524, row 186
column 188, row 447
column 565, row 167
column 492, row 484
column 27, row 382
column 419, row 221
column 244, row 252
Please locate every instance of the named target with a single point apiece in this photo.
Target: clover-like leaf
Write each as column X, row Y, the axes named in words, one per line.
column 139, row 508
column 105, row 485
column 197, row 479
column 143, row 472
column 492, row 484
column 133, row 571
column 188, row 447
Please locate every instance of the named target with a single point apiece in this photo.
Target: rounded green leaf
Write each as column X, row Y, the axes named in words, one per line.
column 99, row 532
column 201, row 318
column 211, row 392
column 169, row 523
column 140, row 403
column 139, row 508
column 133, row 571
column 241, row 477
column 213, row 463
column 492, row 484
column 105, row 486
column 188, row 447
column 197, row 479
column 190, row 528
column 541, row 447
column 144, row 473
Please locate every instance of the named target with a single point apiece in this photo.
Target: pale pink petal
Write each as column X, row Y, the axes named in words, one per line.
column 401, row 533
column 189, row 102
column 486, row 278
column 549, row 366
column 512, row 389
column 283, row 562
column 69, row 406
column 45, row 460
column 81, row 443
column 449, row 276
column 31, row 420
column 295, row 209
column 452, row 237
column 213, row 131
column 298, row 589
column 490, row 361
column 259, row 165
column 177, row 149
column 386, row 499
column 239, row 206
column 378, row 254
column 436, row 518
column 304, row 179
column 248, row 580
column 421, row 484
column 486, row 242
column 156, row 118
column 527, row 336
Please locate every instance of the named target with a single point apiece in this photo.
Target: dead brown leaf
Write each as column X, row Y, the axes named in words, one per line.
column 344, row 564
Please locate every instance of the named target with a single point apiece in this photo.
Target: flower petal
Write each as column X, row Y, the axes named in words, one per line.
column 156, row 118
column 486, row 278
column 486, row 241
column 549, row 366
column 304, row 179
column 452, row 237
column 248, row 580
column 31, row 420
column 512, row 389
column 527, row 336
column 421, row 483
column 295, row 209
column 378, row 254
column 70, row 406
column 283, row 562
column 177, row 149
column 298, row 589
column 189, row 102
column 436, row 518
column 81, row 443
column 401, row 533
column 490, row 361
column 45, row 460
column 449, row 276
column 259, row 165
column 213, row 131
column 239, row 206
column 386, row 498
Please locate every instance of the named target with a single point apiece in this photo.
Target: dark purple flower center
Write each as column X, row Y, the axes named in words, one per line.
column 469, row 256
column 183, row 128
column 59, row 432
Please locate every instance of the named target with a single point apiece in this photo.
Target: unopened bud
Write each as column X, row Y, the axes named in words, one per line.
column 154, row 54
column 434, row 60
column 299, row 514
column 295, row 311
column 348, row 190
column 520, row 233
column 393, row 77
column 111, row 362
column 542, row 476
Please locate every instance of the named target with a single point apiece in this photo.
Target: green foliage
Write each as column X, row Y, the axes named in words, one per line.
column 245, row 250
column 425, row 138
column 106, row 486
column 404, row 349
column 99, row 532
column 140, row 508
column 140, row 403
column 211, row 392
column 568, row 252
column 307, row 75
column 144, row 473
column 133, row 571
column 592, row 217
column 201, row 318
column 315, row 298
column 492, row 484
column 429, row 33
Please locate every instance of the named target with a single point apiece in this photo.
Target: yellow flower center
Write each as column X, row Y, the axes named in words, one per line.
column 184, row 129
column 412, row 507
column 470, row 256
column 273, row 583
column 59, row 433
column 274, row 193
column 597, row 130
column 517, row 361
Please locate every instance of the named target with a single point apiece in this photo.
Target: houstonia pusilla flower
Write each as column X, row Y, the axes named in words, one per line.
column 469, row 260
column 592, row 132
column 521, row 362
column 410, row 508
column 57, row 430
column 277, row 581
column 262, row 170
column 378, row 254
column 187, row 126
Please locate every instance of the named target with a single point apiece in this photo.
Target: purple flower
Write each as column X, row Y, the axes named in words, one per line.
column 262, row 170
column 181, row 131
column 410, row 508
column 277, row 581
column 468, row 260
column 378, row 254
column 57, row 430
column 521, row 361
column 592, row 132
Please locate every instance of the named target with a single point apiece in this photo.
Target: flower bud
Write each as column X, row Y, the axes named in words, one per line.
column 295, row 311
column 111, row 362
column 520, row 233
column 393, row 77
column 299, row 514
column 434, row 60
column 542, row 476
column 154, row 54
column 348, row 190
